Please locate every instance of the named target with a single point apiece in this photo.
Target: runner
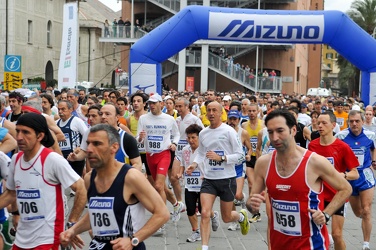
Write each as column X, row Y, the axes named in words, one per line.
column 362, row 143
column 343, row 160
column 220, row 150
column 44, row 212
column 121, row 223
column 293, row 177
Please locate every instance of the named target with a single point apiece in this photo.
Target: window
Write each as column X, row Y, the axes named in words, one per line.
column 49, row 25
column 329, row 55
column 29, row 31
column 329, row 65
column 336, row 55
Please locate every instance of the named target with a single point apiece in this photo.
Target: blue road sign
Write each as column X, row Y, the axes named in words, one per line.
column 12, row 63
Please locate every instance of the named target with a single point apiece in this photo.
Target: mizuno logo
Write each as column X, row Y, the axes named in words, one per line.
column 237, row 28
column 100, row 204
column 143, row 88
column 266, row 28
column 27, row 194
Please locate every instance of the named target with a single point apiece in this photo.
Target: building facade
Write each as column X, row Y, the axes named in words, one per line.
column 33, row 30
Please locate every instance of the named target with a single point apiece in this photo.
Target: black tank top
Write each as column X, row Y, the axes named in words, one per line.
column 119, row 208
column 299, row 137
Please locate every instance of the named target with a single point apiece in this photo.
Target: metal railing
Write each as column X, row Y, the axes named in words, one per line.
column 271, row 84
column 117, row 31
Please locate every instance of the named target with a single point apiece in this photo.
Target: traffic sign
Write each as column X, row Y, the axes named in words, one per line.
column 12, row 80
column 12, row 63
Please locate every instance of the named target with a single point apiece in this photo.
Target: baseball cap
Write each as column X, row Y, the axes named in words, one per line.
column 355, row 107
column 155, row 98
column 233, row 114
column 227, row 98
column 39, row 124
column 304, row 105
column 339, row 103
column 167, row 97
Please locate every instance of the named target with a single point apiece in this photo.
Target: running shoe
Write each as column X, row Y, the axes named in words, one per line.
column 179, row 208
column 244, row 225
column 160, row 231
column 233, row 226
column 255, row 218
column 195, row 236
column 215, row 221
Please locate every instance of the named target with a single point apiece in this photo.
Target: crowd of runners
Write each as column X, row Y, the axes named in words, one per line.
column 121, row 155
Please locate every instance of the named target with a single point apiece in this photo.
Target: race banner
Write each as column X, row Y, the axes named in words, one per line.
column 68, row 54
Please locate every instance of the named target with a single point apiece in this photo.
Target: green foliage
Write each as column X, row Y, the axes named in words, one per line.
column 362, row 12
column 37, row 79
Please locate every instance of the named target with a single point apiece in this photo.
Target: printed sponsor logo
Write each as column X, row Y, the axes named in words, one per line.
column 281, row 187
column 28, row 194
column 253, row 27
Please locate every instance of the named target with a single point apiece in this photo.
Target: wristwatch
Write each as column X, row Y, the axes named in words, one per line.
column 223, row 158
column 70, row 224
column 134, row 241
column 327, row 217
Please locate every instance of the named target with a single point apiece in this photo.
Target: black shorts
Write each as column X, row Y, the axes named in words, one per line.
column 224, row 188
column 341, row 211
column 172, row 159
column 191, row 198
column 144, row 161
column 251, row 163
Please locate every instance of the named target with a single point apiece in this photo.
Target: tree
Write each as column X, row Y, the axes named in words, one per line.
column 363, row 13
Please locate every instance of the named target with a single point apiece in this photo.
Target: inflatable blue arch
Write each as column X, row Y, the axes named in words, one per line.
column 248, row 25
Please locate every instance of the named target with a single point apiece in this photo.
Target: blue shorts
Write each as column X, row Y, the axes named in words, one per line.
column 366, row 181
column 240, row 170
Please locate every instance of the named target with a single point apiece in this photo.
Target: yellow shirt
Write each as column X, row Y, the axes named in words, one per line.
column 205, row 120
column 253, row 134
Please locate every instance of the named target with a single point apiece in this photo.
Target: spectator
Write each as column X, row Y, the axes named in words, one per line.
column 106, row 28
column 121, row 24
column 114, row 27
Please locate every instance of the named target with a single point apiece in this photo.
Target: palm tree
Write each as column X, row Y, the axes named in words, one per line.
column 362, row 12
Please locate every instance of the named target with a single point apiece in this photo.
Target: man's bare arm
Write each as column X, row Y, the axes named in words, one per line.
column 79, row 200
column 256, row 197
column 136, row 184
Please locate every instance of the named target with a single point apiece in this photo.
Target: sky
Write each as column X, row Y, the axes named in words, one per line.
column 342, row 5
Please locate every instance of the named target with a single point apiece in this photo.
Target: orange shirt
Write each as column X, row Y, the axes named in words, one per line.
column 341, row 119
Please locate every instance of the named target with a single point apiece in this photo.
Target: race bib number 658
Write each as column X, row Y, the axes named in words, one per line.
column 286, row 217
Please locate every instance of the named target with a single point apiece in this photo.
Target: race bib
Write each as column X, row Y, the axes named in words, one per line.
column 270, row 149
column 340, row 121
column 368, row 173
column 182, row 144
column 102, row 218
column 141, row 147
column 30, row 205
column 331, row 160
column 359, row 153
column 65, row 145
column 193, row 182
column 253, row 141
column 286, row 217
column 155, row 143
column 216, row 165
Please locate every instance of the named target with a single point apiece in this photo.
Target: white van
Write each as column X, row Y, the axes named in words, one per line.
column 319, row 92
